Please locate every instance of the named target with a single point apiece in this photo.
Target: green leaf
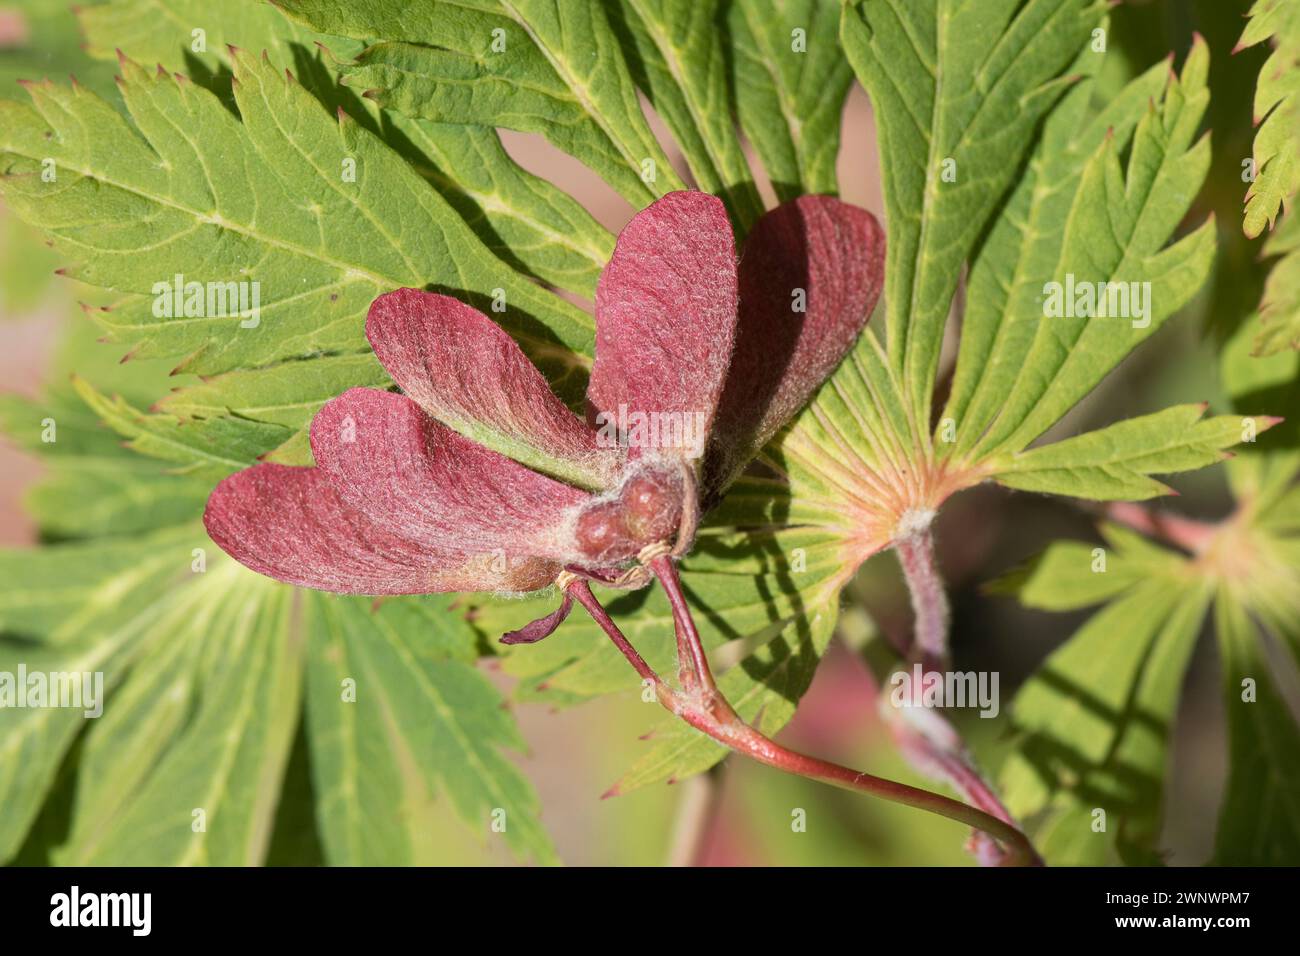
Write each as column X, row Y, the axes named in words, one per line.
column 526, row 221
column 202, row 674
column 212, row 448
column 1113, row 463
column 94, row 487
column 283, row 395
column 530, row 65
column 1259, row 820
column 1004, row 297
column 1280, row 307
column 1263, row 471
column 78, row 608
column 1095, row 725
column 523, row 219
column 951, row 83
column 1071, row 575
column 790, row 78
column 415, row 723
column 1277, row 110
column 1249, row 565
column 52, row 594
column 1119, row 221
column 182, row 34
column 188, row 771
column 675, row 55
column 256, row 201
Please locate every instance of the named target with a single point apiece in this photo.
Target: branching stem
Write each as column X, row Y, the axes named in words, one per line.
column 701, row 705
column 941, row 761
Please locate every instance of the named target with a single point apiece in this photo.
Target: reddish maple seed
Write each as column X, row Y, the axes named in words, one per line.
column 675, row 335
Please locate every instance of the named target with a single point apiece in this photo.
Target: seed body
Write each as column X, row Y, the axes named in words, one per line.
column 647, row 510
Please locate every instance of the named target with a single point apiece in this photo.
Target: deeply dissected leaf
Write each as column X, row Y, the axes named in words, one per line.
column 1259, row 821
column 211, row 448
column 1280, row 308
column 417, row 723
column 522, row 218
column 76, row 608
column 1115, row 462
column 93, row 492
column 209, row 794
column 1118, row 224
column 1277, row 110
column 674, row 53
column 553, row 69
column 1004, row 296
column 202, row 670
column 1096, row 718
column 958, row 89
column 790, row 78
column 274, row 204
column 1248, row 565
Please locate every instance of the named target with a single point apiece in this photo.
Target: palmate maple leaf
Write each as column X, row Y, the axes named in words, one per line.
column 402, row 502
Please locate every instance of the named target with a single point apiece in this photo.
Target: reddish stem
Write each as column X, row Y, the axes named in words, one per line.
column 929, row 601
column 1188, row 534
column 582, row 593
column 692, row 660
column 707, row 711
column 930, row 608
